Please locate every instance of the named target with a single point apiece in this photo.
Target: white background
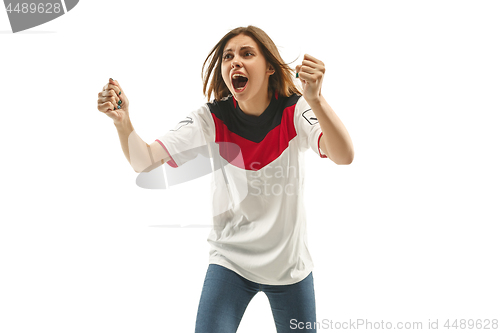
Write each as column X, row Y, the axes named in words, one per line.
column 408, row 232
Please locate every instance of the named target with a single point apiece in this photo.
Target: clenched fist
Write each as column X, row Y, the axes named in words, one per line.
column 113, row 102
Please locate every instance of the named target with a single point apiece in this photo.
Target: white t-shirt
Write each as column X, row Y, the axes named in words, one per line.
column 259, row 220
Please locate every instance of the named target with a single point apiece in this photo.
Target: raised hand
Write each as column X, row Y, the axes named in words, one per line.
column 311, row 74
column 113, row 102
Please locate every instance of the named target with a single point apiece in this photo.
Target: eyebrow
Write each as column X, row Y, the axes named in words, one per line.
column 244, row 47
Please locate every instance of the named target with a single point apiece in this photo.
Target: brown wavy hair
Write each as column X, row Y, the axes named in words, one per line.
column 281, row 81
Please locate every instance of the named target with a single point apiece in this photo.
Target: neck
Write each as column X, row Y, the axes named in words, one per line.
column 256, row 106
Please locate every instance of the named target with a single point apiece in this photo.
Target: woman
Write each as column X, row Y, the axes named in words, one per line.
column 258, row 240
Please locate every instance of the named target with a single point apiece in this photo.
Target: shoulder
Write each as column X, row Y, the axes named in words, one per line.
column 295, row 102
column 224, row 103
column 223, row 109
column 202, row 112
column 200, row 118
column 297, row 105
column 290, row 101
column 303, row 113
column 302, row 104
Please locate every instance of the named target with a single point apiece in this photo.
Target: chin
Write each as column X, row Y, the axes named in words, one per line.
column 240, row 97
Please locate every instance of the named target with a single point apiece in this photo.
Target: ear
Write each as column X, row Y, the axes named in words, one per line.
column 270, row 70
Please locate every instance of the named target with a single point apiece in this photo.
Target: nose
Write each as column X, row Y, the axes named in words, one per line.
column 236, row 63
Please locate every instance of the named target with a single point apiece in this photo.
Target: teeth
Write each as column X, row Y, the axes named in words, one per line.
column 235, row 75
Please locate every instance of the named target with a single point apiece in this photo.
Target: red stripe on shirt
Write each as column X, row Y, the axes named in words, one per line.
column 171, row 162
column 256, row 155
column 319, row 151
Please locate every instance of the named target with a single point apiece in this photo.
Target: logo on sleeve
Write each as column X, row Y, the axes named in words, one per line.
column 310, row 117
column 188, row 120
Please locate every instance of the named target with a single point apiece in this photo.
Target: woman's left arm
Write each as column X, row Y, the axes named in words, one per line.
column 335, row 141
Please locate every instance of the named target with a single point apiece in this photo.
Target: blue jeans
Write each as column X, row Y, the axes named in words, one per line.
column 226, row 294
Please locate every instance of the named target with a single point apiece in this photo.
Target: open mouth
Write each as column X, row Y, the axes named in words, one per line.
column 239, row 82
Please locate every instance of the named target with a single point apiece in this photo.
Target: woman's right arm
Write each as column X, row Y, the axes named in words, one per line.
column 113, row 102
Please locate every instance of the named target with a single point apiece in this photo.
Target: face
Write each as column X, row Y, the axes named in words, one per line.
column 245, row 69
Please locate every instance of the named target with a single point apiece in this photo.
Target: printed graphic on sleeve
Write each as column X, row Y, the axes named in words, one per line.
column 184, row 122
column 27, row 14
column 310, row 117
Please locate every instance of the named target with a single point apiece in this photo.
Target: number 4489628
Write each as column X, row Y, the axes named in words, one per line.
column 25, row 8
column 472, row 324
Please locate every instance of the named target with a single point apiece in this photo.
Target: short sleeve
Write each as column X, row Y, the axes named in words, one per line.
column 307, row 126
column 190, row 137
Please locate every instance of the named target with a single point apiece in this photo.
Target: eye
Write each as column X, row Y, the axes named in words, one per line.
column 227, row 56
column 247, row 54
